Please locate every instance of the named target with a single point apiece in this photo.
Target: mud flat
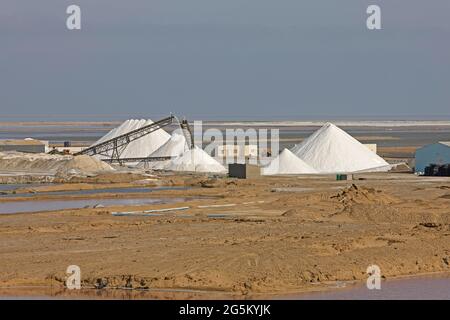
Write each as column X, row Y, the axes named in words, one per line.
column 244, row 238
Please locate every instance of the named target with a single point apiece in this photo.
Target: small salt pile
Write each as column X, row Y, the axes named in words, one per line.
column 195, row 160
column 174, row 147
column 287, row 163
column 83, row 164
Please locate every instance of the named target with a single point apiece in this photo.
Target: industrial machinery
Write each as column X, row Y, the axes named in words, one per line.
column 113, row 148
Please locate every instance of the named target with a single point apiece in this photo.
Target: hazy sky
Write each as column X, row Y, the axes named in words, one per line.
column 233, row 59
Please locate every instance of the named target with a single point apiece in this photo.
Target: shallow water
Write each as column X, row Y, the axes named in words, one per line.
column 48, row 293
column 412, row 288
column 10, row 187
column 409, row 289
column 90, row 191
column 53, row 205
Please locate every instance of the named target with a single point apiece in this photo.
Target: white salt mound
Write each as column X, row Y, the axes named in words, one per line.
column 141, row 147
column 287, row 163
column 174, row 147
column 332, row 150
column 195, row 160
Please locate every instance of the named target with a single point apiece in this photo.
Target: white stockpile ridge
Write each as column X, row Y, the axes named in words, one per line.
column 42, row 163
column 287, row 163
column 141, row 147
column 195, row 160
column 31, row 162
column 332, row 150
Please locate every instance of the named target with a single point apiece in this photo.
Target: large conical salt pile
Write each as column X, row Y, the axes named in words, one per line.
column 195, row 160
column 287, row 163
column 141, row 147
column 332, row 150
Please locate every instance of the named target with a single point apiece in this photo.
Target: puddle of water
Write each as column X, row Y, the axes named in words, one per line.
column 292, row 189
column 53, row 205
column 408, row 289
column 46, row 293
column 404, row 289
column 220, row 215
column 10, row 187
column 92, row 191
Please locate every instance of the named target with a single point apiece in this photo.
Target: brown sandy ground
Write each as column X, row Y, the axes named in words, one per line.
column 277, row 235
column 397, row 152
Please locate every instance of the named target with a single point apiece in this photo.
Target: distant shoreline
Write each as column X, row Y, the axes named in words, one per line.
column 343, row 123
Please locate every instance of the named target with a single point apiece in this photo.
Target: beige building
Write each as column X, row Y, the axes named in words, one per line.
column 246, row 151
